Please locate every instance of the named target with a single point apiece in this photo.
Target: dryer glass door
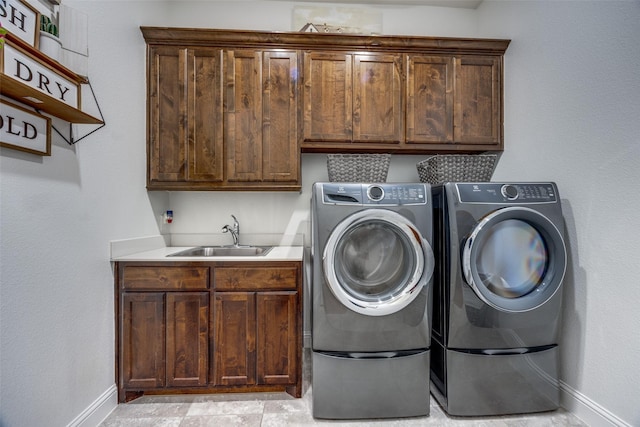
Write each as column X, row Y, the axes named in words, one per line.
column 514, row 259
column 376, row 262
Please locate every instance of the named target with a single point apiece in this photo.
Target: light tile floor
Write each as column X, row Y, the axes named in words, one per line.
column 280, row 409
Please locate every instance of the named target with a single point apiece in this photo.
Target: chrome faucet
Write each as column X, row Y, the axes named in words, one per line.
column 234, row 230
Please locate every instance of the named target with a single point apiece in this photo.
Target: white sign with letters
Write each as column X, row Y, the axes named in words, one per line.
column 20, row 19
column 21, row 67
column 24, row 130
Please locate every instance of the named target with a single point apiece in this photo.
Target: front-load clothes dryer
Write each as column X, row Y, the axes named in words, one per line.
column 501, row 260
column 372, row 264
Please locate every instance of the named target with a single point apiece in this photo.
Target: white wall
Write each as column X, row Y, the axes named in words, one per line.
column 572, row 105
column 572, row 115
column 58, row 215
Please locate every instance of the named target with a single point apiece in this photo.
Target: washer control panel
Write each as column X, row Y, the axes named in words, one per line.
column 494, row 192
column 375, row 194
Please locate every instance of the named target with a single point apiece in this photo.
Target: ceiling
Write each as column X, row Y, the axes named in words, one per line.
column 466, row 4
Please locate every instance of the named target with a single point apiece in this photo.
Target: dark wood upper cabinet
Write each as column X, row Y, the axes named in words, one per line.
column 429, row 99
column 402, row 103
column 185, row 145
column 378, row 114
column 260, row 117
column 204, row 115
column 478, row 107
column 222, row 119
column 328, row 97
column 352, row 97
column 233, row 109
column 455, row 101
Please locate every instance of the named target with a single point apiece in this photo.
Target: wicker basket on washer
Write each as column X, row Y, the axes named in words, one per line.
column 457, row 168
column 358, row 167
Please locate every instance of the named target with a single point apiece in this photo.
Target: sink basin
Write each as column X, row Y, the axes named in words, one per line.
column 224, row 251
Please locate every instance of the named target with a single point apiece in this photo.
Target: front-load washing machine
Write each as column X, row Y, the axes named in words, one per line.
column 501, row 260
column 371, row 299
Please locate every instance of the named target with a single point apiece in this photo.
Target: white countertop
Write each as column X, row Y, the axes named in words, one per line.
column 278, row 253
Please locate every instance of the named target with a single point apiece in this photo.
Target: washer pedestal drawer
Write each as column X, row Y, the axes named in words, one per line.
column 484, row 385
column 371, row 387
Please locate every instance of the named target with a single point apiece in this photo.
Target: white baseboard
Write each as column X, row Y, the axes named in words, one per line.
column 572, row 400
column 95, row 413
column 587, row 410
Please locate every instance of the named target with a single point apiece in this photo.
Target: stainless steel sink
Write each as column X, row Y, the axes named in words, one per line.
column 224, row 251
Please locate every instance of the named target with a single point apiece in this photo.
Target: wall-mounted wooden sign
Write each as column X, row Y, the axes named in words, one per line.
column 24, row 130
column 25, row 69
column 29, row 77
column 20, row 19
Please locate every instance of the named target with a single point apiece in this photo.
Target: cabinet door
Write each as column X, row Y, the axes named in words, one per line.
column 142, row 363
column 187, row 315
column 261, row 116
column 167, row 149
column 350, row 97
column 204, row 115
column 378, row 98
column 234, row 340
column 280, row 153
column 243, row 114
column 185, row 116
column 277, row 337
column 478, row 104
column 429, row 99
column 328, row 97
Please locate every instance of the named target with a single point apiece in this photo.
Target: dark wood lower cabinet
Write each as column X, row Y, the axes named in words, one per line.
column 208, row 327
column 277, row 326
column 255, row 339
column 234, row 339
column 165, row 336
column 187, row 335
column 142, row 357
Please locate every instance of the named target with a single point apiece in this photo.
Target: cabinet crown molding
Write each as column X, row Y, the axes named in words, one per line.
column 299, row 40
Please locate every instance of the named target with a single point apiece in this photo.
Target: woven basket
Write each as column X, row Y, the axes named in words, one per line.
column 358, row 167
column 457, row 168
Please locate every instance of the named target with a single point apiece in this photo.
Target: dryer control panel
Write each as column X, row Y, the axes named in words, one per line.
column 495, row 192
column 375, row 194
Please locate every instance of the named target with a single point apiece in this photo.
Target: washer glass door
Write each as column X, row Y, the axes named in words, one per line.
column 376, row 262
column 514, row 259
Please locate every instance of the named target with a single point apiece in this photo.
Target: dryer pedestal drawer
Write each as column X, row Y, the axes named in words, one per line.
column 348, row 388
column 479, row 385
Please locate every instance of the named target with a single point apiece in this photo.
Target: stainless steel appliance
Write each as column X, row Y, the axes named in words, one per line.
column 371, row 299
column 501, row 260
